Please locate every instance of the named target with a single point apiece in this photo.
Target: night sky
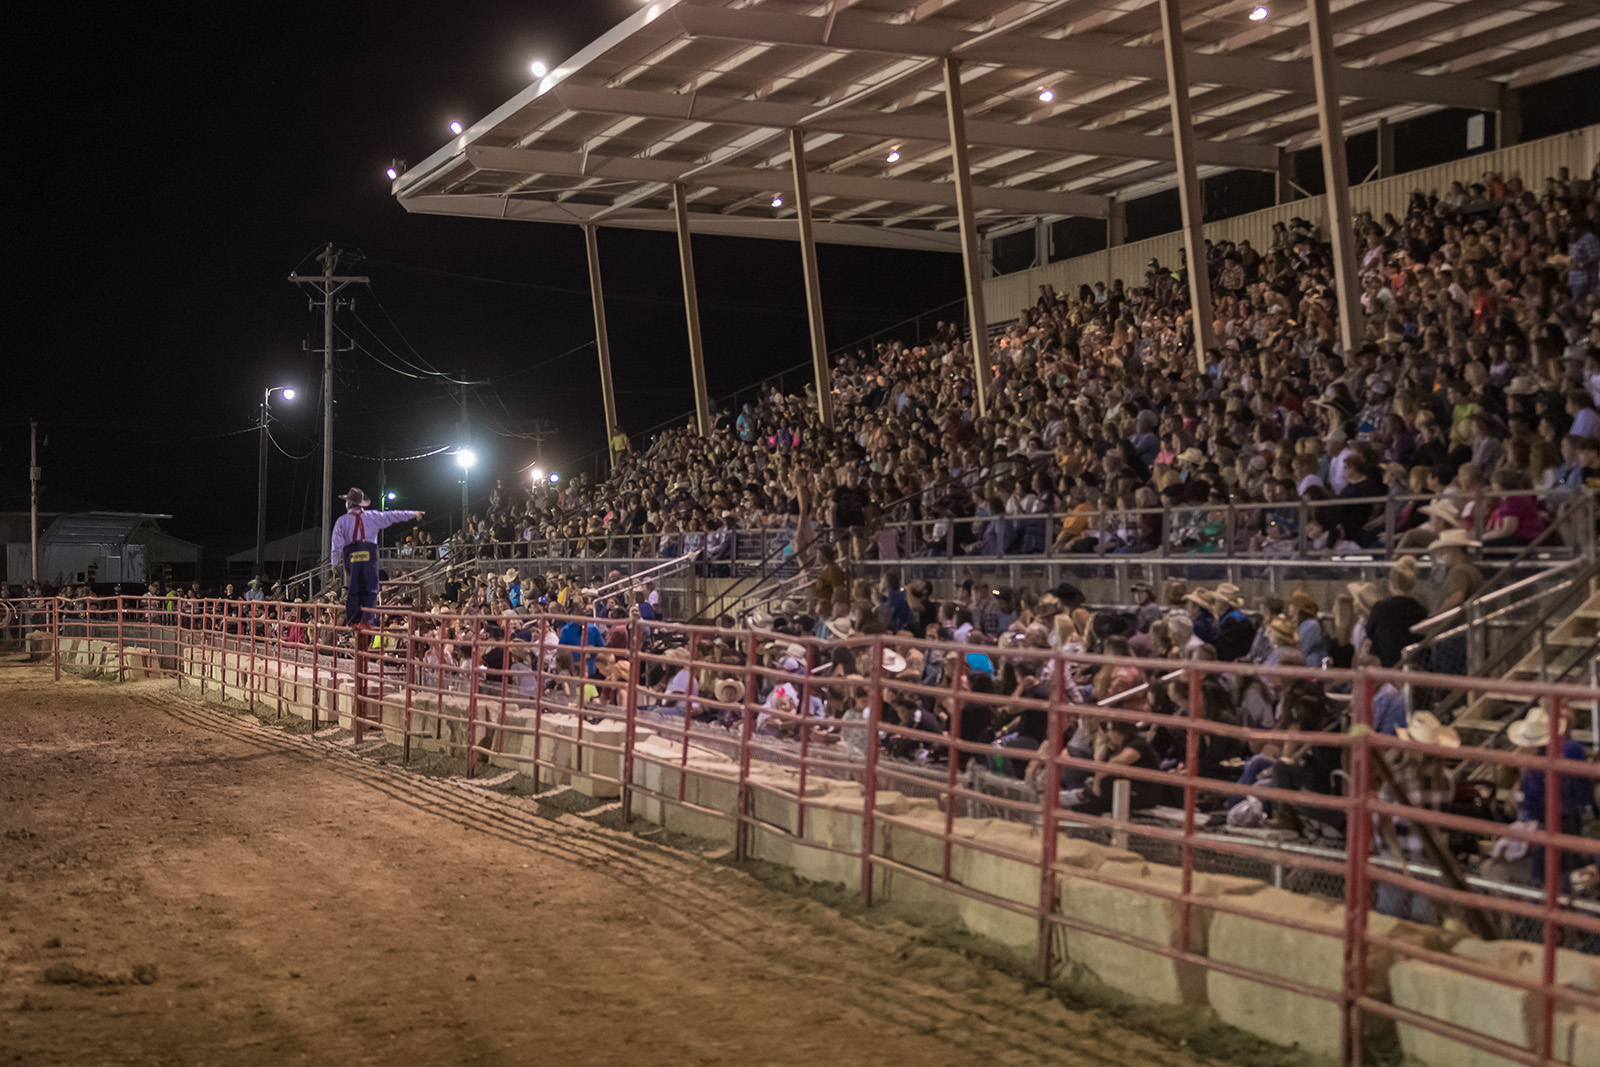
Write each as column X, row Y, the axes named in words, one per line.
column 172, row 164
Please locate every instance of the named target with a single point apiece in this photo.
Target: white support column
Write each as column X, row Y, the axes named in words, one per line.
column 971, row 247
column 1336, row 172
column 691, row 310
column 1041, row 242
column 602, row 342
column 1194, row 231
column 808, row 264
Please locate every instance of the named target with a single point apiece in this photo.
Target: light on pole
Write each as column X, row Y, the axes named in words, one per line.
column 261, row 471
column 465, row 458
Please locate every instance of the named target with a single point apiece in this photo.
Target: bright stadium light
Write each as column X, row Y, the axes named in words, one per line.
column 392, row 173
column 537, row 474
column 894, row 155
column 554, row 477
column 777, row 201
column 1258, row 14
column 538, row 68
column 288, row 394
column 1045, row 96
column 389, row 496
column 465, row 458
column 455, row 127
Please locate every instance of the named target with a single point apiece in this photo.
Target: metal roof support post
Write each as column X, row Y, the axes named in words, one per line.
column 971, row 247
column 691, row 309
column 1336, row 171
column 1194, row 231
column 1508, row 118
column 602, row 342
column 1385, row 149
column 808, row 265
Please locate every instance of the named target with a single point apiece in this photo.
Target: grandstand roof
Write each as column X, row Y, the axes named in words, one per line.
column 703, row 92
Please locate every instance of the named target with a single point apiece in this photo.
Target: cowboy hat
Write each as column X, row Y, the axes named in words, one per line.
column 1049, row 604
column 1192, row 455
column 677, row 654
column 1365, row 595
column 758, row 620
column 1531, row 731
column 841, row 627
column 893, row 662
column 355, row 498
column 1304, row 602
column 729, row 690
column 1202, row 597
column 795, row 651
column 1444, row 511
column 1522, row 385
column 510, row 575
column 1425, row 729
column 1282, row 630
column 1229, row 594
column 1453, row 539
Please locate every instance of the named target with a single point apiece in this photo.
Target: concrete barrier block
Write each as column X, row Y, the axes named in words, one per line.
column 1315, row 960
column 1492, row 1008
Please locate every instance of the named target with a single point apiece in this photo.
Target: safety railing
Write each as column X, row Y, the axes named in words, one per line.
column 852, row 761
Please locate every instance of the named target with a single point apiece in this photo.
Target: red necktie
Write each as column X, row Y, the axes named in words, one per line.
column 360, row 533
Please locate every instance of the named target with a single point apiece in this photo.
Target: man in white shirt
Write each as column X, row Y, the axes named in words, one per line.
column 1338, row 455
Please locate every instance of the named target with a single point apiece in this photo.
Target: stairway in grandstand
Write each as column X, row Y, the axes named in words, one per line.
column 1559, row 650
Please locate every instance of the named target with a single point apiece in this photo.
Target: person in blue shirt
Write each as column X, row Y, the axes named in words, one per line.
column 1531, row 734
column 572, row 636
column 1201, row 604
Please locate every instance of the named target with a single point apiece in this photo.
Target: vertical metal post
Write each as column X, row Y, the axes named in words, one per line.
column 869, row 775
column 1385, row 149
column 472, row 700
column 1552, row 876
column 1508, row 118
column 1193, row 207
column 742, row 821
column 1191, row 794
column 971, row 248
column 1358, row 846
column 330, row 259
column 316, row 664
column 33, row 498
column 602, row 340
column 1049, row 798
column 691, row 311
column 261, row 488
column 121, row 653
column 1324, row 68
column 631, row 713
column 808, row 265
column 411, row 681
column 55, row 631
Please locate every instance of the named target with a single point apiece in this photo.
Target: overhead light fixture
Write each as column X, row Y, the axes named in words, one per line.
column 389, row 496
column 465, row 458
column 1258, row 14
column 554, row 477
column 1045, row 96
column 288, row 394
column 455, row 127
column 392, row 173
column 538, row 68
column 777, row 201
column 894, row 155
column 537, row 474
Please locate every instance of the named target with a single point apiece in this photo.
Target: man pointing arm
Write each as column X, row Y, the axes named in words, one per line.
column 355, row 544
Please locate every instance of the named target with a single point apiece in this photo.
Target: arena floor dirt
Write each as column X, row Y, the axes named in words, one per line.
column 187, row 886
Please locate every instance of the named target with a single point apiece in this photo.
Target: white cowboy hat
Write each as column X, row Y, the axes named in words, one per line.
column 893, row 662
column 841, row 627
column 1531, row 731
column 1425, row 729
column 1444, row 511
column 729, row 690
column 1453, row 539
column 758, row 620
column 795, row 652
column 510, row 575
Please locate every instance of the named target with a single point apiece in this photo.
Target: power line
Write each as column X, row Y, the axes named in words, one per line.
column 394, row 459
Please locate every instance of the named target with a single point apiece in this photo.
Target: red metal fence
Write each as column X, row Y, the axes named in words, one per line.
column 769, row 716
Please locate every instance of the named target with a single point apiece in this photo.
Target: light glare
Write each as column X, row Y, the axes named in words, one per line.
column 554, row 477
column 894, row 155
column 1258, row 14
column 1045, row 96
column 455, row 127
column 389, row 495
column 777, row 201
column 466, row 457
column 288, row 394
column 537, row 474
column 392, row 173
column 538, row 68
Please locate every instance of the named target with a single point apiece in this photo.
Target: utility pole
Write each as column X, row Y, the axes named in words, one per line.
column 464, row 439
column 327, row 285
column 33, row 496
column 383, row 479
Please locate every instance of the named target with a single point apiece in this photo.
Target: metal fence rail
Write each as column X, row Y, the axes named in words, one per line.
column 675, row 715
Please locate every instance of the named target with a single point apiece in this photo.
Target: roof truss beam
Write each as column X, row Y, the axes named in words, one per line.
column 1073, row 55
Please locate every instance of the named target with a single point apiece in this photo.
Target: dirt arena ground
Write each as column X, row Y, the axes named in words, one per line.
column 187, row 886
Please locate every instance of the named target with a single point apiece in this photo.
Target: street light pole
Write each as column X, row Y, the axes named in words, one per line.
column 261, row 474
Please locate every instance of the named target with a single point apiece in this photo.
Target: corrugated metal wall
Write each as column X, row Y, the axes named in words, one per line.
column 1534, row 161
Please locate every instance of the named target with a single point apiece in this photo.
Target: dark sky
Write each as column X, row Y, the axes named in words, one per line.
column 172, row 163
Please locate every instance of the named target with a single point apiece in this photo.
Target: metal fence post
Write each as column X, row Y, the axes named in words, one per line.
column 55, row 632
column 1358, row 843
column 472, row 701
column 1049, row 798
column 869, row 778
column 122, row 662
column 630, row 713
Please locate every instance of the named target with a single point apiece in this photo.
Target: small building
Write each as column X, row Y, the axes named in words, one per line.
column 104, row 546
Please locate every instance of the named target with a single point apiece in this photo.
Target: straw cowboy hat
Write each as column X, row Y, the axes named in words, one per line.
column 510, row 575
column 1425, row 729
column 1444, row 511
column 893, row 662
column 1229, row 594
column 1203, row 598
column 729, row 690
column 1283, row 631
column 1531, row 731
column 841, row 627
column 1304, row 602
column 1192, row 455
column 678, row 654
column 1453, row 539
column 1364, row 594
column 795, row 651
